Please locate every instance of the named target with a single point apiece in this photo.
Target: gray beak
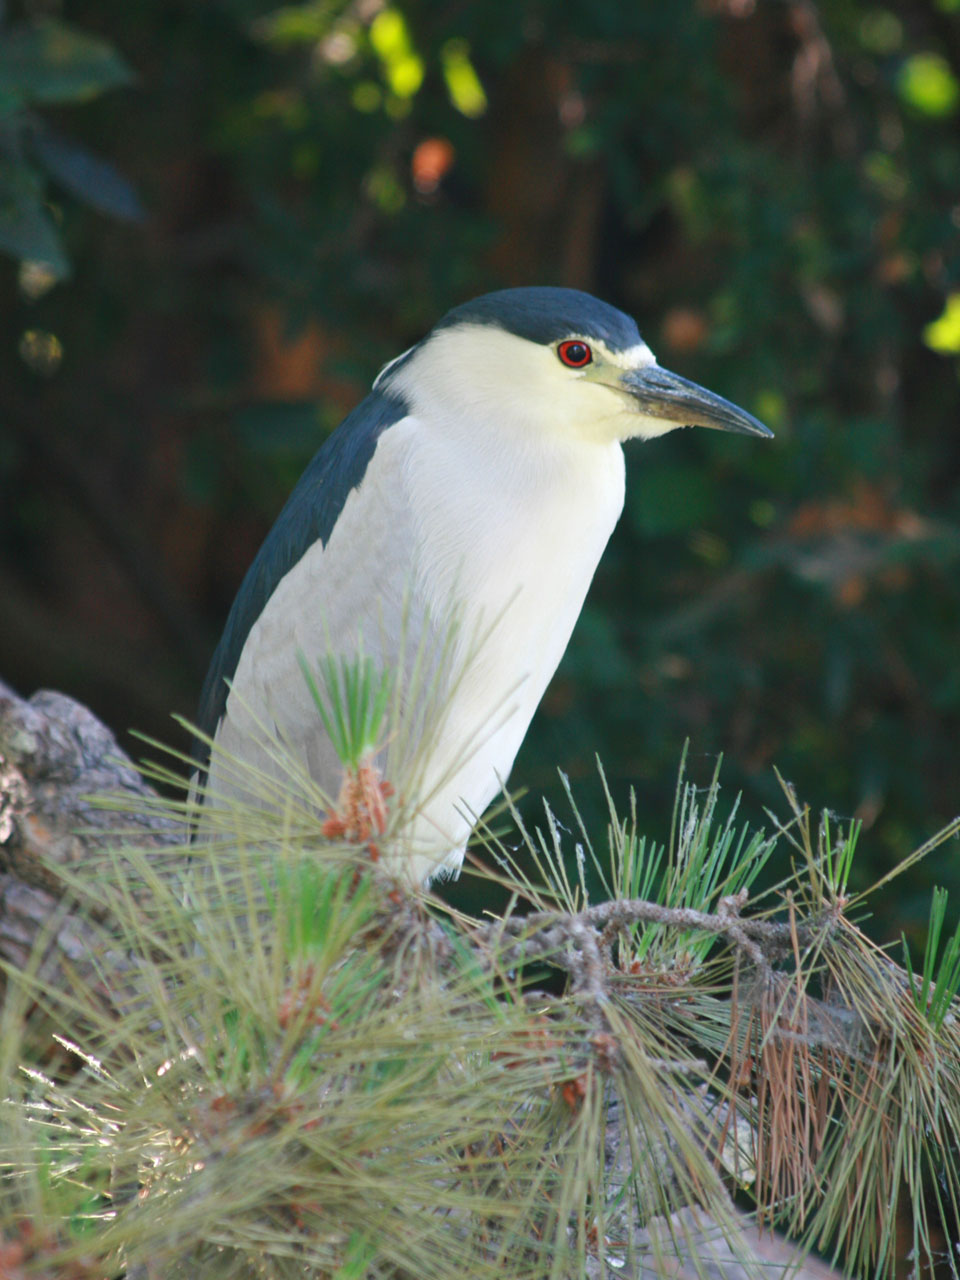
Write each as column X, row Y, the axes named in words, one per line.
column 662, row 394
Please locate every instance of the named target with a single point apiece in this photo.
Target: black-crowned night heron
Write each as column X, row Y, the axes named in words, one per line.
column 479, row 481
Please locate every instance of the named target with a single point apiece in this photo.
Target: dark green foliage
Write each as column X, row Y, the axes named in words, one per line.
column 43, row 63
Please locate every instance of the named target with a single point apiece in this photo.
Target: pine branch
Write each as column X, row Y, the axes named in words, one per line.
column 271, row 1058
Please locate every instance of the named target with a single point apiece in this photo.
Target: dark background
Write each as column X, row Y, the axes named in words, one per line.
column 247, row 209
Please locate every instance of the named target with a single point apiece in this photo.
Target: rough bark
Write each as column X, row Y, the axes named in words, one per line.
column 54, row 755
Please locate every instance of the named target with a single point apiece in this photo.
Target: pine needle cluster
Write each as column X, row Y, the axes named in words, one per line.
column 293, row 1065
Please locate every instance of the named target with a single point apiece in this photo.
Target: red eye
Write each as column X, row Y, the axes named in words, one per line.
column 574, row 353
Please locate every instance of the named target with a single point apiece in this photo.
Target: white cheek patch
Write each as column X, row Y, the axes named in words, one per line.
column 481, row 378
column 637, row 357
column 643, row 427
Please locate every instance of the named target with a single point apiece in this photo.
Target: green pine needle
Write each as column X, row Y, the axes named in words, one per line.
column 352, row 703
column 939, row 982
column 282, row 1066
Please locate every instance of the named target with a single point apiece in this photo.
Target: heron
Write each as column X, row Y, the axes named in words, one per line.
column 473, row 491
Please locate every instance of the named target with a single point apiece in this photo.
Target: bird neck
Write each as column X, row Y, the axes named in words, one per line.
column 502, row 513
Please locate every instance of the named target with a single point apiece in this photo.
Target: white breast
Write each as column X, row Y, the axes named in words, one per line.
column 504, row 533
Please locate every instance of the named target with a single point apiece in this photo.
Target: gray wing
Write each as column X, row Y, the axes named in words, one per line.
column 309, row 516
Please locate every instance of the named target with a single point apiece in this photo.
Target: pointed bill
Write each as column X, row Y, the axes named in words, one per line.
column 665, row 395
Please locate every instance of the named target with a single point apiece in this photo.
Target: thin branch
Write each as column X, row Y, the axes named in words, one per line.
column 564, row 937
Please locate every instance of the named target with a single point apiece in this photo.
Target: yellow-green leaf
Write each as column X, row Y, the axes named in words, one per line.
column 402, row 66
column 928, row 85
column 463, row 83
column 943, row 334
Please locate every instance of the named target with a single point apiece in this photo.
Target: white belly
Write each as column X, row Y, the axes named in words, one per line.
column 436, row 530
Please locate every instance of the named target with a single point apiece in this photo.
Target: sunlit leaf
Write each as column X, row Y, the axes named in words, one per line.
column 402, row 66
column 41, row 350
column 463, row 83
column 928, row 85
column 49, row 61
column 943, row 334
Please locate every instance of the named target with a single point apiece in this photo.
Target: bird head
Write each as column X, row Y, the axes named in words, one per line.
column 552, row 360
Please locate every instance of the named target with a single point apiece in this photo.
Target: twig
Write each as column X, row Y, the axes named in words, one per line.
column 545, row 932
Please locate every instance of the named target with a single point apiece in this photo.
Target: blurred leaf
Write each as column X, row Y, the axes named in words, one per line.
column 943, row 334
column 687, row 196
column 90, row 179
column 888, row 177
column 771, row 407
column 298, row 23
column 880, row 31
column 385, row 190
column 463, row 83
column 41, row 350
column 367, row 96
column 582, row 142
column 27, row 230
column 49, row 61
column 35, row 279
column 402, row 67
column 928, row 85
